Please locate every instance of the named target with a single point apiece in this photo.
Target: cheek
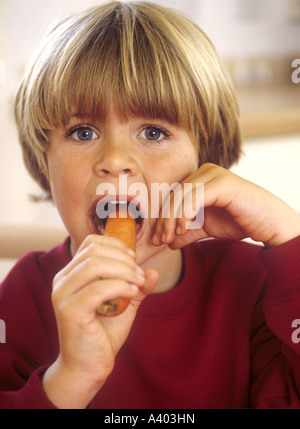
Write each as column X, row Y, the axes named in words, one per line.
column 177, row 167
column 65, row 181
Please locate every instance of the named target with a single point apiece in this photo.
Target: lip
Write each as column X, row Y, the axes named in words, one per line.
column 110, row 198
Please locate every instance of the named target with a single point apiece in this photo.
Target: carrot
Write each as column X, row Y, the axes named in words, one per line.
column 123, row 228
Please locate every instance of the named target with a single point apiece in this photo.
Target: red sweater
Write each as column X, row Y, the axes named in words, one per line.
column 221, row 339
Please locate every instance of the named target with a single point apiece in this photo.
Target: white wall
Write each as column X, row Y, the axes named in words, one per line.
column 273, row 163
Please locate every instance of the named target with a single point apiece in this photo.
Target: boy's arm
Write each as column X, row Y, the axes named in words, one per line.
column 30, row 335
column 235, row 208
column 102, row 269
column 29, row 375
column 21, row 385
column 275, row 360
column 31, row 395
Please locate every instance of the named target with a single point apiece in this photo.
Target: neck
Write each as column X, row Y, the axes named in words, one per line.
column 169, row 268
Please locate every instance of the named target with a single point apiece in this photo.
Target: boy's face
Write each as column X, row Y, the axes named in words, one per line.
column 86, row 154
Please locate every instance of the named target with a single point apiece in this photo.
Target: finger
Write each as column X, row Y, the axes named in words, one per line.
column 156, row 238
column 184, row 211
column 89, row 299
column 168, row 228
column 94, row 268
column 191, row 236
column 151, row 280
column 164, row 231
column 100, row 247
column 102, row 239
column 106, row 250
column 166, row 224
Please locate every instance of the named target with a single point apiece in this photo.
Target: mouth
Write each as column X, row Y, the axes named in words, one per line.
column 106, row 207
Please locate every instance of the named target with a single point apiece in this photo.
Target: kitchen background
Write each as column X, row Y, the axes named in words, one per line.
column 259, row 40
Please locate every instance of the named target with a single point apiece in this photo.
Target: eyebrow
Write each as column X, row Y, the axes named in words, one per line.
column 77, row 116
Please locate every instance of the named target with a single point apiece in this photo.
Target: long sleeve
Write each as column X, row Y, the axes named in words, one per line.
column 31, row 334
column 275, row 353
column 30, row 396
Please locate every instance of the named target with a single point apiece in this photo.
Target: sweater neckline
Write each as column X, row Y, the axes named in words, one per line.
column 170, row 303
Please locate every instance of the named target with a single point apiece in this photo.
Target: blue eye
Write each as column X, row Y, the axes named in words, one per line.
column 83, row 134
column 152, row 133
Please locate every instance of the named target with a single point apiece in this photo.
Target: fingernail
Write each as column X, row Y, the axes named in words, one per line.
column 134, row 288
column 180, row 230
column 140, row 271
column 131, row 252
column 155, row 239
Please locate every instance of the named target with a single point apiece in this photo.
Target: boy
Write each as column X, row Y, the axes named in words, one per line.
column 134, row 90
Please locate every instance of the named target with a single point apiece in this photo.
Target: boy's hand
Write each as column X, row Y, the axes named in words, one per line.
column 102, row 269
column 234, row 208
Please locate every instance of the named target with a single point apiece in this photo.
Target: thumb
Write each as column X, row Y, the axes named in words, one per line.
column 151, row 279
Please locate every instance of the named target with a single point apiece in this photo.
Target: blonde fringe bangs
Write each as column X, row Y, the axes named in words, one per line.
column 149, row 61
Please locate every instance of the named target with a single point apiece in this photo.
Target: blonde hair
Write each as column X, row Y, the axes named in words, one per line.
column 152, row 60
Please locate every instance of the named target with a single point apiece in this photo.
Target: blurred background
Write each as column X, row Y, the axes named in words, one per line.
column 259, row 40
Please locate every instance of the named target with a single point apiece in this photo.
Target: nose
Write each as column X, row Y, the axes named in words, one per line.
column 115, row 159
